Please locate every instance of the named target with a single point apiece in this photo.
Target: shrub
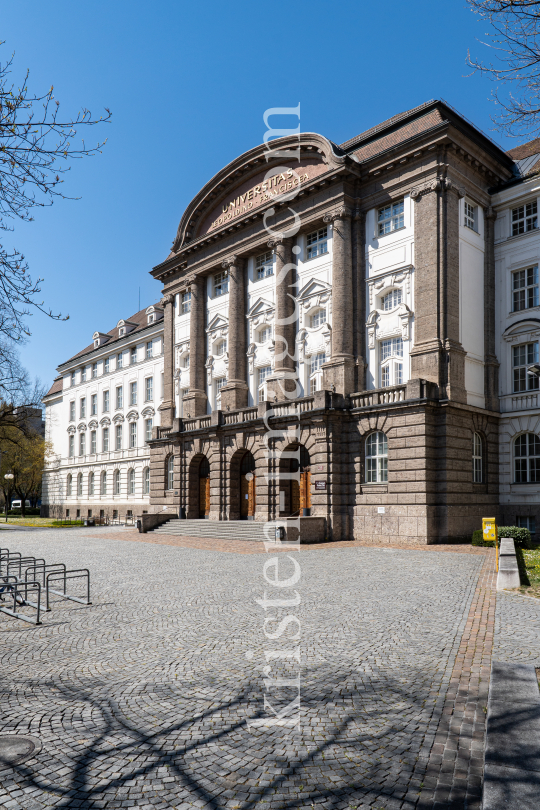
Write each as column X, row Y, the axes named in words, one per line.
column 30, row 510
column 521, row 537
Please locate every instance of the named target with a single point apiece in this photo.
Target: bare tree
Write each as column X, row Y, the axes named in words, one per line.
column 514, row 42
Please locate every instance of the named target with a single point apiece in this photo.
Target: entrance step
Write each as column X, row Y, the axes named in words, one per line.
column 216, row 529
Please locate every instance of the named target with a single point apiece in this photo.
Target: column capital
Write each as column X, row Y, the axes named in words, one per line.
column 275, row 241
column 167, row 299
column 342, row 212
column 439, row 183
column 230, row 261
column 490, row 213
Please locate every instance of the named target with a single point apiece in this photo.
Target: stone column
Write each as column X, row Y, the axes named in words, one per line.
column 338, row 371
column 166, row 408
column 195, row 401
column 283, row 383
column 235, row 393
column 491, row 364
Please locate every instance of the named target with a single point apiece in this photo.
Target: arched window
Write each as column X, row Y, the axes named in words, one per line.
column 69, row 484
column 392, row 299
column 79, row 484
column 131, row 481
column 91, row 483
column 527, row 459
column 318, row 318
column 170, row 472
column 477, row 459
column 146, row 481
column 116, row 482
column 103, row 483
column 376, row 458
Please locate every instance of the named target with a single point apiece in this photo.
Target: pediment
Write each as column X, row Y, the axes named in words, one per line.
column 118, row 418
column 219, row 321
column 81, row 426
column 251, row 181
column 148, row 412
column 93, row 424
column 261, row 305
column 524, row 329
column 132, row 416
column 105, row 421
column 312, row 288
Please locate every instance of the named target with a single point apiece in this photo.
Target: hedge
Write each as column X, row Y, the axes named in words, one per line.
column 521, row 537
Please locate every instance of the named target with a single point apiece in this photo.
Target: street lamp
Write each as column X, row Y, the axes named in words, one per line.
column 9, row 477
column 534, row 370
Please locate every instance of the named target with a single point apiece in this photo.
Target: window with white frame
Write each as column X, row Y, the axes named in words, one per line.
column 524, row 218
column 71, row 446
column 526, row 522
column 527, row 459
column 146, row 481
column 133, row 393
column 148, row 425
column 93, row 441
column 315, row 369
column 377, row 458
column 477, row 459
column 186, row 302
column 72, row 411
column 103, row 483
column 262, row 374
column 69, row 484
column 264, row 266
column 219, row 383
column 120, row 360
column 317, row 243
column 106, row 365
column 149, row 349
column 119, row 397
column 91, row 483
column 170, row 472
column 133, row 356
column 149, row 389
column 318, row 318
column 186, row 361
column 162, row 384
column 118, row 438
column 116, row 482
column 392, row 299
column 79, row 484
column 131, row 481
column 93, row 405
column 525, row 288
column 391, row 218
column 106, row 401
column 105, row 440
column 470, row 216
column 83, row 374
column 83, row 407
column 264, row 334
column 524, row 356
column 82, row 444
column 221, row 348
column 133, row 434
column 221, row 283
column 391, row 364
column 94, row 369
column 72, row 378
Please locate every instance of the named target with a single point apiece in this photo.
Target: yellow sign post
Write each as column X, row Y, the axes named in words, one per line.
column 489, row 532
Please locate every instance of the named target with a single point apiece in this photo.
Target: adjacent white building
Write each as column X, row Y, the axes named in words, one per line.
column 99, row 416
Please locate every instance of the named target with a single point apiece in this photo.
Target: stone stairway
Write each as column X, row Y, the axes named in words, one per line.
column 218, row 529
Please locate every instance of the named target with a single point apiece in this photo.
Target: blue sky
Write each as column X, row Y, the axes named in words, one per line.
column 188, row 84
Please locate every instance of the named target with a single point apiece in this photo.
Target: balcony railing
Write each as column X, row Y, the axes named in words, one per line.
column 379, row 396
column 519, row 402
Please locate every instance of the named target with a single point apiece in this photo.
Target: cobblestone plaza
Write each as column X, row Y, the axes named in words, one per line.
column 141, row 700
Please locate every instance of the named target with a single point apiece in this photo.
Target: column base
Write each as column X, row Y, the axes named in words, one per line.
column 234, row 395
column 283, row 384
column 195, row 404
column 338, row 375
column 166, row 410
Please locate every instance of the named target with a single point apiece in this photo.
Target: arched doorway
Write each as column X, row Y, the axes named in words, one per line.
column 247, row 487
column 295, row 488
column 204, row 489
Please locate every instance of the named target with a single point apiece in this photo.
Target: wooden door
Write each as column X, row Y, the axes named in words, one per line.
column 251, row 497
column 295, row 497
column 244, row 497
column 204, row 497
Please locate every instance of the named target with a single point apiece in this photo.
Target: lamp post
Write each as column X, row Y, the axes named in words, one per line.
column 9, row 477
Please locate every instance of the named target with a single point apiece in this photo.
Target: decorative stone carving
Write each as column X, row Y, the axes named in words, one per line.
column 342, row 212
column 230, row 261
column 167, row 299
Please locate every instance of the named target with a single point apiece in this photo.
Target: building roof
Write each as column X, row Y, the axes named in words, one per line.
column 525, row 150
column 56, row 387
column 384, row 125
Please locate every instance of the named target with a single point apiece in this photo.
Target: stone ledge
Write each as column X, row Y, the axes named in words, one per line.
column 151, row 521
column 508, row 576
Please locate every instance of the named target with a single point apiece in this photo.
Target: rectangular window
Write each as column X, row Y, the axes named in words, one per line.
column 186, row 302
column 220, row 383
column 526, row 522
column 149, row 350
column 263, row 373
column 71, row 446
column 391, row 348
column 119, row 396
column 72, row 378
column 148, row 425
column 149, row 389
column 525, row 288
column 119, row 360
column 524, row 218
column 391, row 218
column 313, row 385
column 71, row 411
column 162, row 384
column 221, row 283
column 523, row 356
column 83, row 374
column 105, row 440
column 133, row 357
column 106, row 365
column 265, row 334
column 133, row 434
column 264, row 265
column 385, row 376
column 398, row 373
column 94, row 369
column 470, row 216
column 317, row 361
column 93, row 405
column 186, row 361
column 133, row 393
column 105, row 402
column 93, row 443
column 82, row 444
column 83, row 407
column 118, row 439
column 317, row 243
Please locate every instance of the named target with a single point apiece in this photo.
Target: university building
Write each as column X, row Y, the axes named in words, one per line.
column 344, row 339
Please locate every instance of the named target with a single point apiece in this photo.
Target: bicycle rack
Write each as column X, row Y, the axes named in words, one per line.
column 40, row 571
column 15, row 589
column 75, row 573
column 23, row 560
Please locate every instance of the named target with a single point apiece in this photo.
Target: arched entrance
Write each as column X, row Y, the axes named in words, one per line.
column 295, row 488
column 204, row 488
column 247, row 487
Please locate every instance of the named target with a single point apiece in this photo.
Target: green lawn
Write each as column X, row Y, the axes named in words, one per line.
column 32, row 520
column 531, row 558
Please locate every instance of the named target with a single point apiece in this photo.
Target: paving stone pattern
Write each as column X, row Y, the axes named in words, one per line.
column 517, row 629
column 141, row 700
